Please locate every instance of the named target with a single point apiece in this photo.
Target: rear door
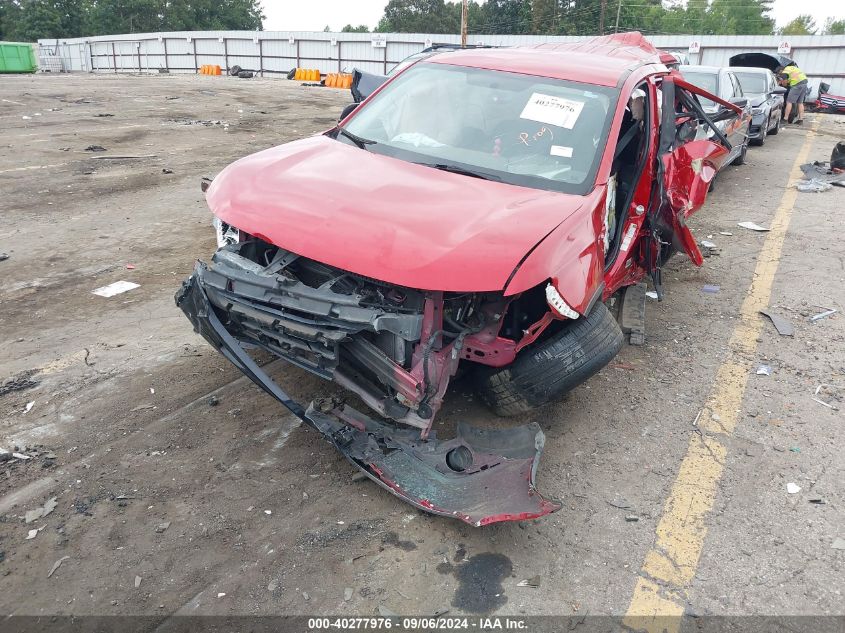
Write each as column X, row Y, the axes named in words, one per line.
column 688, row 160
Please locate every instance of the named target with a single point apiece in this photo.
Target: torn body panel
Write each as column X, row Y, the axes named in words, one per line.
column 481, row 476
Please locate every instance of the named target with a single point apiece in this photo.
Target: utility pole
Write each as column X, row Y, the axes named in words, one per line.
column 601, row 16
column 464, row 12
column 618, row 11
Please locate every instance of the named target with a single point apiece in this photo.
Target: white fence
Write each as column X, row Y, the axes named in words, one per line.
column 822, row 57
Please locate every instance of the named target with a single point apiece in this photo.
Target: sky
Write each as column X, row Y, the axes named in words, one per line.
column 313, row 15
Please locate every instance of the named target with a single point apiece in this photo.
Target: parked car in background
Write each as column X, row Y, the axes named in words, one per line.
column 479, row 211
column 724, row 83
column 766, row 97
column 770, row 61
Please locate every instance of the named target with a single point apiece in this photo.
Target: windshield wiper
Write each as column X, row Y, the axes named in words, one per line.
column 454, row 169
column 358, row 140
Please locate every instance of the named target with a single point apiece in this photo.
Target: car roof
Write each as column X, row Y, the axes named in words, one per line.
column 602, row 61
column 713, row 70
column 750, row 69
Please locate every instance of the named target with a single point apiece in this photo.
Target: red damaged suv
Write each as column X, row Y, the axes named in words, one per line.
column 477, row 210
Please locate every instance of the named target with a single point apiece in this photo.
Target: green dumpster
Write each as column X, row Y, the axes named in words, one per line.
column 17, row 57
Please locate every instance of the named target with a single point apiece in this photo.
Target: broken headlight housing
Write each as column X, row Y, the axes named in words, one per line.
column 226, row 234
column 558, row 304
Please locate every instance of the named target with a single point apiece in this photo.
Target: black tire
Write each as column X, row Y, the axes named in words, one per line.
column 545, row 371
column 234, row 70
column 246, row 74
column 776, row 129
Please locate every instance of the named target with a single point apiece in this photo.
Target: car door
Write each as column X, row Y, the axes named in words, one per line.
column 736, row 127
column 688, row 159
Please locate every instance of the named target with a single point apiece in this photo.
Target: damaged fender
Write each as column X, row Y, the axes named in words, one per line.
column 481, row 476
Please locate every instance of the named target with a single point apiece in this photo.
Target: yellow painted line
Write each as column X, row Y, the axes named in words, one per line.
column 669, row 567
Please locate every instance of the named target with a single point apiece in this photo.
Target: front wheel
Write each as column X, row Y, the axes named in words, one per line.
column 546, row 370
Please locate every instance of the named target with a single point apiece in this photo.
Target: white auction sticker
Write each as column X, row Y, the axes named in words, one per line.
column 552, row 110
column 560, row 150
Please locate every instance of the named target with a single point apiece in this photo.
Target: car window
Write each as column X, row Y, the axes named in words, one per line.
column 705, row 81
column 753, row 83
column 520, row 129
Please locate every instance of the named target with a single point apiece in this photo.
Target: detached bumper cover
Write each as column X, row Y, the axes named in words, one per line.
column 481, row 476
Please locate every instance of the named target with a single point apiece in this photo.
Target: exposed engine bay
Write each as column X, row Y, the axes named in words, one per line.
column 396, row 348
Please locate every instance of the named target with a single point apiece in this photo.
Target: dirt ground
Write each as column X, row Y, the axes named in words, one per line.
column 178, row 481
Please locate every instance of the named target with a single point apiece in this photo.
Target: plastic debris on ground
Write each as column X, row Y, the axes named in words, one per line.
column 793, row 488
column 29, row 406
column 838, row 543
column 783, row 326
column 3, row 256
column 764, row 370
column 116, row 288
column 56, row 565
column 529, row 582
column 710, row 289
column 95, row 148
column 753, row 226
column 813, row 185
column 822, row 315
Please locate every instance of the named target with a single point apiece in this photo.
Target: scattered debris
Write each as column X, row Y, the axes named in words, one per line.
column 56, row 565
column 728, row 233
column 161, row 527
column 709, row 248
column 21, row 456
column 95, row 148
column 764, row 370
column 166, row 171
column 130, row 266
column 838, row 543
column 221, row 595
column 347, row 594
column 753, row 226
column 386, row 612
column 822, row 315
column 632, row 518
column 29, row 406
column 4, row 256
column 112, row 157
column 817, row 501
column 359, row 476
column 32, row 534
column 829, row 406
column 141, row 407
column 268, row 512
column 794, row 449
column 273, row 585
column 116, row 288
column 651, row 294
column 43, row 511
column 813, row 185
column 138, row 580
column 793, row 488
column 104, row 114
column 620, row 503
column 213, row 401
column 529, row 582
column 710, row 289
column 783, row 326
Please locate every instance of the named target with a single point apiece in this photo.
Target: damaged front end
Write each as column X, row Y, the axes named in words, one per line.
column 396, row 348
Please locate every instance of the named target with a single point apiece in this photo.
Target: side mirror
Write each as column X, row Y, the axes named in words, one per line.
column 740, row 101
column 779, row 90
column 347, row 111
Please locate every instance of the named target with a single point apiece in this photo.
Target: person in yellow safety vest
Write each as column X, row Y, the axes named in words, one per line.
column 794, row 78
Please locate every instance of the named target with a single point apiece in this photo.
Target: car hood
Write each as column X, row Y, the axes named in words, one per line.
column 756, row 100
column 386, row 218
